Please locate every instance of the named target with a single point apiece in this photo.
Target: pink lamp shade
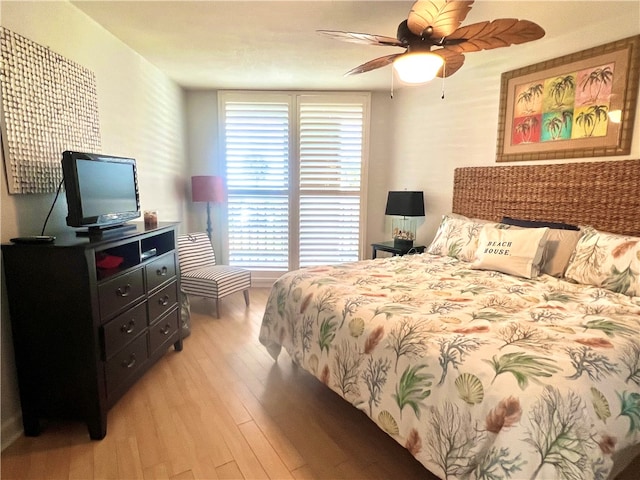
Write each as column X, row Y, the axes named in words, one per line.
column 207, row 188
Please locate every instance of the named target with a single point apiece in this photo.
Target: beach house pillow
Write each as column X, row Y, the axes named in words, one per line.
column 457, row 237
column 561, row 242
column 516, row 251
column 606, row 260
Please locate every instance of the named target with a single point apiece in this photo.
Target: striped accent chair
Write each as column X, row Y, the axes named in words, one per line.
column 199, row 274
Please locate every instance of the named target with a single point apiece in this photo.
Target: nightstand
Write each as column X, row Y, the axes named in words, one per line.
column 388, row 247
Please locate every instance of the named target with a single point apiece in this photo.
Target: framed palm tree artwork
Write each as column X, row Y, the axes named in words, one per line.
column 578, row 105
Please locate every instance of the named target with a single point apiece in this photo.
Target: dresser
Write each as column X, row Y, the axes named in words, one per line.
column 89, row 316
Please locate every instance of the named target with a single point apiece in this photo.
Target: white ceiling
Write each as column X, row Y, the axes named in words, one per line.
column 274, row 45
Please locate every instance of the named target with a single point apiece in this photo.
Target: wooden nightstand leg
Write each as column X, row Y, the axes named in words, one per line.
column 246, row 297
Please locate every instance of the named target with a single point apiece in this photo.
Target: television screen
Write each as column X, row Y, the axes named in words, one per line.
column 101, row 190
column 106, row 187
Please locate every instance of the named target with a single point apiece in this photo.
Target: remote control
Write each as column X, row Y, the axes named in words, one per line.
column 34, row 239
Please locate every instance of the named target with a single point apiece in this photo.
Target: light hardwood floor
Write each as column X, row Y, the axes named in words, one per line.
column 222, row 409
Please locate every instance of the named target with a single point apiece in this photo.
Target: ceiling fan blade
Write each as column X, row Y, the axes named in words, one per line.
column 452, row 62
column 365, row 38
column 498, row 33
column 373, row 64
column 443, row 16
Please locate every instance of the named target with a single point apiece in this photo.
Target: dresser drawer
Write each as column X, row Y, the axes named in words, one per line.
column 163, row 330
column 126, row 362
column 162, row 301
column 117, row 293
column 160, row 270
column 124, row 328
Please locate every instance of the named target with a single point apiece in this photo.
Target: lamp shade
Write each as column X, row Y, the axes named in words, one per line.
column 207, row 188
column 419, row 67
column 406, row 204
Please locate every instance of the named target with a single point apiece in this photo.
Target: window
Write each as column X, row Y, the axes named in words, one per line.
column 294, row 169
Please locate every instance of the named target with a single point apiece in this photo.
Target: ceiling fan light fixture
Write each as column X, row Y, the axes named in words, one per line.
column 419, row 67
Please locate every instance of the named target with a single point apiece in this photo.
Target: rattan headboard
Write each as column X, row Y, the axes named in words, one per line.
column 605, row 195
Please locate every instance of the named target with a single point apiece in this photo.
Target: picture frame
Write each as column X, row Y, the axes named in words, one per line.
column 574, row 106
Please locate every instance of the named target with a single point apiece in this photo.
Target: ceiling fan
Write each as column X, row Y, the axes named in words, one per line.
column 434, row 40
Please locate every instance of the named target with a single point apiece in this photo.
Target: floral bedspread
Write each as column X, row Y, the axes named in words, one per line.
column 480, row 375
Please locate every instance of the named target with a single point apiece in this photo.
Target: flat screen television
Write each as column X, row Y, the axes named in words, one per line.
column 102, row 191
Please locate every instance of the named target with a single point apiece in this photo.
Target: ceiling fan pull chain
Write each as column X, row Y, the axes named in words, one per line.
column 444, row 74
column 392, row 83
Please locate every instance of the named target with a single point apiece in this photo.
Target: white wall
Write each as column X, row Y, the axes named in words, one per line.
column 203, row 148
column 141, row 115
column 431, row 136
column 382, row 166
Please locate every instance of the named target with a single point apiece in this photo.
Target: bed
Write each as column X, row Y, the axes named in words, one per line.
column 486, row 364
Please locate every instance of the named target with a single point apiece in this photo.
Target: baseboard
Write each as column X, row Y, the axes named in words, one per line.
column 11, row 430
column 262, row 282
column 264, row 279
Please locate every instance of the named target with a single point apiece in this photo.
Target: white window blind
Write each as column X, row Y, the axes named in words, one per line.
column 294, row 171
column 330, row 139
column 257, row 164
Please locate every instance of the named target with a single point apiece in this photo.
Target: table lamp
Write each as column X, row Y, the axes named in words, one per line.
column 207, row 188
column 405, row 206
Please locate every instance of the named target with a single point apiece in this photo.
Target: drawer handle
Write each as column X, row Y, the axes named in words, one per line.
column 162, row 272
column 128, row 327
column 124, row 292
column 131, row 362
column 164, row 301
column 166, row 330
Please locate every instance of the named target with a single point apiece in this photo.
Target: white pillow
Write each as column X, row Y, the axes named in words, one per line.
column 457, row 237
column 560, row 245
column 606, row 260
column 513, row 251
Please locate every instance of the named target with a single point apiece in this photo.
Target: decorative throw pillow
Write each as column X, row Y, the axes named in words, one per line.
column 606, row 260
column 457, row 237
column 513, row 251
column 558, row 250
column 561, row 241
